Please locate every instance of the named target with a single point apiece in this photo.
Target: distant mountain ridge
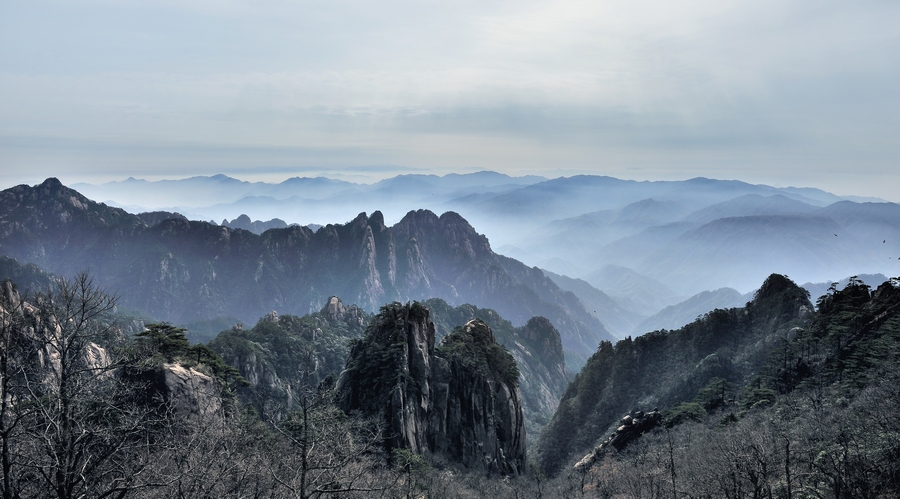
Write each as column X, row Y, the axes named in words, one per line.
column 734, row 243
column 254, row 226
column 619, row 320
column 676, row 316
column 575, row 225
column 301, row 200
column 180, row 270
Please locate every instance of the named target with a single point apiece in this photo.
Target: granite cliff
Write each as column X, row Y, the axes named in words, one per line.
column 66, row 336
column 459, row 400
column 536, row 347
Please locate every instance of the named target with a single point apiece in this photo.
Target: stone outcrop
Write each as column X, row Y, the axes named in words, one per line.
column 336, row 311
column 35, row 350
column 38, row 337
column 460, row 400
column 185, row 390
column 630, row 428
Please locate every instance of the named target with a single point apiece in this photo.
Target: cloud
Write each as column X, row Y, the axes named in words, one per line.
column 780, row 88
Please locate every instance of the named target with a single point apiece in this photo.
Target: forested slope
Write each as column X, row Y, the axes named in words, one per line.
column 662, row 368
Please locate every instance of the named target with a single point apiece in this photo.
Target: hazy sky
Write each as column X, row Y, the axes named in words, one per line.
column 768, row 91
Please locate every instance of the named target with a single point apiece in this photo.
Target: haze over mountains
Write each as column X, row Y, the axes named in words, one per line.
column 178, row 270
column 720, row 357
column 646, row 245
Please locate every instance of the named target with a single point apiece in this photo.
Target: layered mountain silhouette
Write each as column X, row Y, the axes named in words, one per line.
column 179, row 270
column 733, row 243
column 675, row 316
column 693, row 235
column 619, row 319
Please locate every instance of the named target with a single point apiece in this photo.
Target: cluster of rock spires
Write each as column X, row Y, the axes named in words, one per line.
column 630, row 428
column 432, row 404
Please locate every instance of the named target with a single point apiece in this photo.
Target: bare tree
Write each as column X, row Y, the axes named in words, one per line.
column 331, row 453
column 70, row 422
column 12, row 322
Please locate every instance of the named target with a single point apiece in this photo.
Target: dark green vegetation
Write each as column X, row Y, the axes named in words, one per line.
column 475, row 349
column 377, row 361
column 87, row 411
column 855, row 333
column 182, row 271
column 161, row 344
column 663, row 368
column 769, row 401
column 281, row 356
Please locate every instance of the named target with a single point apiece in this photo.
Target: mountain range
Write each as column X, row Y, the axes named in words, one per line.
column 769, row 393
column 692, row 236
column 178, row 270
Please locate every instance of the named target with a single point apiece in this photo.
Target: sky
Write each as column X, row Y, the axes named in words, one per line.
column 781, row 92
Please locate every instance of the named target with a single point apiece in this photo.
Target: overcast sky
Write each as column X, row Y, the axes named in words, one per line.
column 781, row 92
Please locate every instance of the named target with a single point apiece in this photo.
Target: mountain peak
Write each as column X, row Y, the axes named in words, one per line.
column 377, row 218
column 52, row 183
column 774, row 285
column 780, row 298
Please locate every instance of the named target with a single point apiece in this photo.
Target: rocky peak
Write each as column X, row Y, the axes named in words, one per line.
column 780, row 299
column 545, row 340
column 334, row 309
column 377, row 219
column 51, row 204
column 437, row 400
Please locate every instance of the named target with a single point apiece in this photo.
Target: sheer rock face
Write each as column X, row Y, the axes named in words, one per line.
column 539, row 354
column 432, row 404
